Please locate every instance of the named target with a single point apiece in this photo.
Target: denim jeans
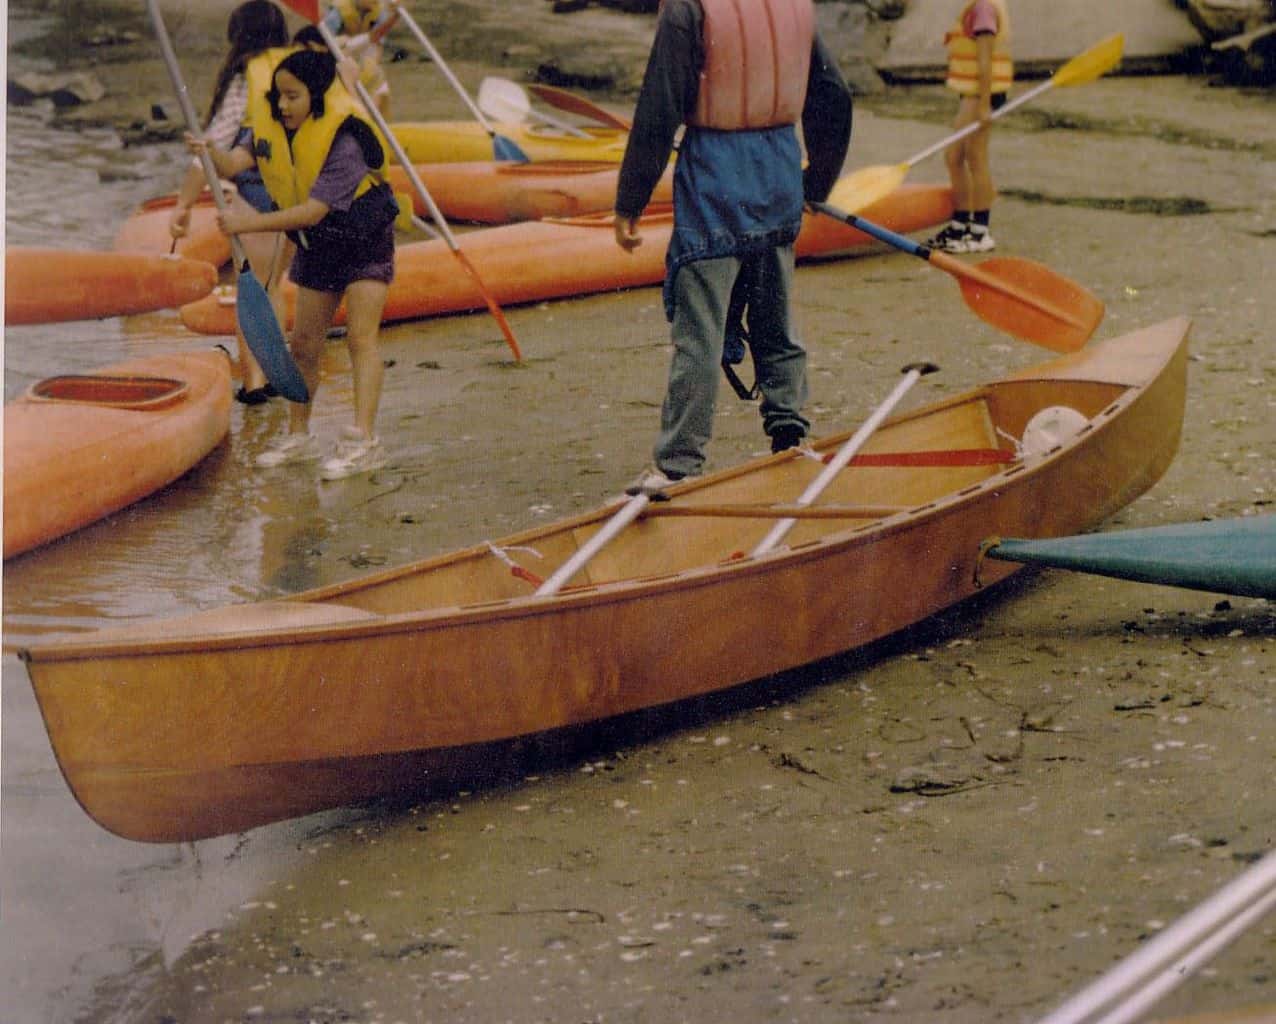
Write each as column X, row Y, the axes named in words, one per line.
column 702, row 295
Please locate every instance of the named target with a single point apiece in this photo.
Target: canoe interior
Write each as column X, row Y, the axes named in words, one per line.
column 119, row 392
column 659, row 546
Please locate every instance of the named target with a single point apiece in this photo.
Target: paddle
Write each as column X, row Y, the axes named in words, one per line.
column 503, row 148
column 627, row 513
column 573, row 104
column 256, row 315
column 913, row 372
column 863, row 187
column 1022, row 297
column 506, row 101
column 309, row 9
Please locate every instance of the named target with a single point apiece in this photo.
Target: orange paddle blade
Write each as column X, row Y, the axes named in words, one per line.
column 492, row 307
column 573, row 104
column 861, row 189
column 1027, row 299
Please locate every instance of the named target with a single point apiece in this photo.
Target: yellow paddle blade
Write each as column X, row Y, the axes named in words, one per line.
column 860, row 189
column 1096, row 62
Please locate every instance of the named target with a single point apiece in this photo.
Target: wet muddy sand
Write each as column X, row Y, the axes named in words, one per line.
column 963, row 824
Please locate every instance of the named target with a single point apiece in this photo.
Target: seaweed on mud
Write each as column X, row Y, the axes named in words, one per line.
column 1157, row 206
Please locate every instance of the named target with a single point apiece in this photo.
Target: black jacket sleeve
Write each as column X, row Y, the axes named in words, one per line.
column 826, row 123
column 670, row 86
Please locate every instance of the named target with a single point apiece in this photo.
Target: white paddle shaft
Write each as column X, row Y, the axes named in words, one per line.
column 844, row 454
column 628, row 512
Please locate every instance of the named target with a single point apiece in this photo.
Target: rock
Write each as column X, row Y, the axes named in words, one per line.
column 65, row 89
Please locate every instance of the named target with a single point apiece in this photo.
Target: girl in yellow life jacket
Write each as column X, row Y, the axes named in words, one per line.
column 980, row 71
column 320, row 162
column 361, row 26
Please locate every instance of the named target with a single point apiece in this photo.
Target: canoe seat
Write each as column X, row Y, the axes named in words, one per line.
column 245, row 618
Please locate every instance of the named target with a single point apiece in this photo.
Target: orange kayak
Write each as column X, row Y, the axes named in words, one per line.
column 146, row 230
column 479, row 192
column 499, row 192
column 554, row 258
column 79, row 447
column 52, row 285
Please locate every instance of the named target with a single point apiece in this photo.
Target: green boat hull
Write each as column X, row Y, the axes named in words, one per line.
column 1225, row 556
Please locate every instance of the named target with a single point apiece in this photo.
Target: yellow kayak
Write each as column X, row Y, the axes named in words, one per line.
column 441, row 142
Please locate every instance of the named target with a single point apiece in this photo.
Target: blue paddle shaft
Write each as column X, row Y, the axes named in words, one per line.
column 876, row 231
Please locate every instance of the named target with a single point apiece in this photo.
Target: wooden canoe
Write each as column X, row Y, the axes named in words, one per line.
column 81, row 446
column 43, row 286
column 233, row 717
column 445, row 142
column 1224, row 556
column 556, row 258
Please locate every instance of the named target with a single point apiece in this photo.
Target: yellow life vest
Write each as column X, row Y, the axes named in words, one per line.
column 963, row 63
column 355, row 21
column 289, row 168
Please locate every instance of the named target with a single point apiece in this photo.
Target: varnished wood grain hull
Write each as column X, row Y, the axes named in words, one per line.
column 244, row 715
column 68, row 464
column 551, row 259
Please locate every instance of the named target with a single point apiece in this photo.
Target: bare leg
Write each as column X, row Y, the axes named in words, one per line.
column 261, row 252
column 314, row 315
column 957, row 156
column 365, row 301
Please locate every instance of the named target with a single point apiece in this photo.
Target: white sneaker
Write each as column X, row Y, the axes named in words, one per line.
column 978, row 241
column 651, row 482
column 287, row 449
column 355, row 454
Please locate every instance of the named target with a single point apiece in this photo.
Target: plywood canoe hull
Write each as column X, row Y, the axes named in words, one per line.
column 54, row 285
column 443, row 142
column 106, row 440
column 552, row 259
column 243, row 715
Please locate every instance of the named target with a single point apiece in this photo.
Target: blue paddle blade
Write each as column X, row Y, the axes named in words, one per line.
column 265, row 338
column 508, row 149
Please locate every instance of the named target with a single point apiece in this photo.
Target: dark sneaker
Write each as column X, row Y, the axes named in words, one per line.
column 951, row 239
column 785, row 438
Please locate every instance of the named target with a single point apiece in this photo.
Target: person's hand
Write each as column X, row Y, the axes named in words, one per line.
column 179, row 221
column 233, row 223
column 348, row 71
column 195, row 144
column 628, row 236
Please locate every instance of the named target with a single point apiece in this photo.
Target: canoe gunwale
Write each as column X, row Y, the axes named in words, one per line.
column 1015, row 475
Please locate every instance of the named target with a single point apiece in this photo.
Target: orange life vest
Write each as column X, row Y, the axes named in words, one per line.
column 963, row 63
column 757, row 57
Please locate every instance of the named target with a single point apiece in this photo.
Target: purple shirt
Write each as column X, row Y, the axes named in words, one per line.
column 341, row 174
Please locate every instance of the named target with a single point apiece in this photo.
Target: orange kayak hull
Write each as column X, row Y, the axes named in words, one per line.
column 79, row 447
column 54, row 285
column 146, row 230
column 550, row 259
column 496, row 192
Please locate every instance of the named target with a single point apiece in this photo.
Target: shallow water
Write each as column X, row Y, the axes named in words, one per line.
column 79, row 906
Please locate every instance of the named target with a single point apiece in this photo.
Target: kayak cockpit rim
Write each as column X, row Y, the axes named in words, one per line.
column 109, row 390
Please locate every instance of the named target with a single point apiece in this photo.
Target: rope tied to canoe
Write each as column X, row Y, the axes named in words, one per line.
column 515, row 569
